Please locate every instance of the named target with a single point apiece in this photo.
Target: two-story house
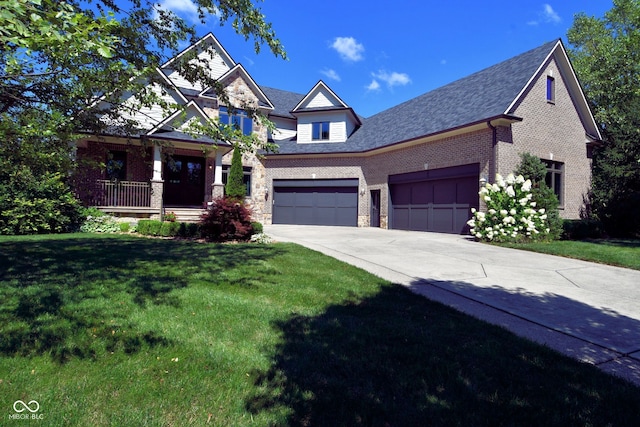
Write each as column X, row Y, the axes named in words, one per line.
column 415, row 166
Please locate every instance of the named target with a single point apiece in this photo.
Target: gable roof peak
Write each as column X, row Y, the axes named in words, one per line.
column 319, row 87
column 207, row 38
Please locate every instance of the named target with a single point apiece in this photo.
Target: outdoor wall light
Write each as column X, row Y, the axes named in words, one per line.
column 483, row 180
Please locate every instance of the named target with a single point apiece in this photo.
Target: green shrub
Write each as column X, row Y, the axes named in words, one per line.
column 143, row 227
column 37, row 207
column 235, row 188
column 189, row 230
column 125, row 227
column 35, row 196
column 169, row 229
column 154, row 227
column 149, row 227
column 579, row 229
column 225, row 220
column 532, row 168
column 257, row 227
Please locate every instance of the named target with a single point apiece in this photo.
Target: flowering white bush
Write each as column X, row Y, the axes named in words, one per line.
column 261, row 238
column 511, row 215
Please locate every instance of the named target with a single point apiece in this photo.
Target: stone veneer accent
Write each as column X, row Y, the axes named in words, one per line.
column 156, row 197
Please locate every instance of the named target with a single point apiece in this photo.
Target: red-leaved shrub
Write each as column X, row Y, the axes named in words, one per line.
column 226, row 219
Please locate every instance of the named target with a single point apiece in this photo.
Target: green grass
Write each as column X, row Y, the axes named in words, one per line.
column 618, row 252
column 124, row 331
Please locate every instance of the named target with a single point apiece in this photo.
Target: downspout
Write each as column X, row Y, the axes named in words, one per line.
column 494, row 145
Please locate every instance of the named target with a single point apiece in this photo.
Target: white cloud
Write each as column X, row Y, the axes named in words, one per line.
column 392, row 79
column 348, row 48
column 374, row 86
column 330, row 74
column 547, row 15
column 186, row 9
column 550, row 15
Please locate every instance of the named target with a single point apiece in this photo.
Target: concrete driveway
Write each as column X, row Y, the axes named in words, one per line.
column 588, row 311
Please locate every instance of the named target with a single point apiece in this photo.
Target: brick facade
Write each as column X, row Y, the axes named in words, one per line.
column 548, row 130
column 373, row 171
column 551, row 131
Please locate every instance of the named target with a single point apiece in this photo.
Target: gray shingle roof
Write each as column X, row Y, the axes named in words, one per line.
column 482, row 95
column 283, row 101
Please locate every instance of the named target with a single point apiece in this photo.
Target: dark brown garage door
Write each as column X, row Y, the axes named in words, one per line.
column 434, row 200
column 316, row 202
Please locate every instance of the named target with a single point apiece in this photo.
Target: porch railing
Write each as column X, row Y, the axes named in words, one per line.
column 123, row 193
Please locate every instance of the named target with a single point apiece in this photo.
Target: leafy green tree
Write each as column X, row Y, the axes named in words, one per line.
column 532, row 168
column 57, row 59
column 606, row 55
column 235, row 187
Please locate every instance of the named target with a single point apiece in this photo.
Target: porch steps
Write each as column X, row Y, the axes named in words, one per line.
column 186, row 214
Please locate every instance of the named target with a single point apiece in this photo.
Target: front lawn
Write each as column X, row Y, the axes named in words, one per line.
column 126, row 331
column 618, row 252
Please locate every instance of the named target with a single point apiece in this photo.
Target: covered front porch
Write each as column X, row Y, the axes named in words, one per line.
column 149, row 180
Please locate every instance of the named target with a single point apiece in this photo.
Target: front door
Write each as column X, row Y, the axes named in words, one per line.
column 375, row 208
column 184, row 181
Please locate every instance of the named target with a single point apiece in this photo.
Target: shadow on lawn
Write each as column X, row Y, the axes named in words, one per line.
column 625, row 243
column 72, row 297
column 396, row 359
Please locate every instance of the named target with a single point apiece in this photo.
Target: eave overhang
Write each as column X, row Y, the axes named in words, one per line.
column 500, row 120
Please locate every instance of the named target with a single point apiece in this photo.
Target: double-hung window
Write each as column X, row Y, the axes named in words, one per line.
column 320, row 131
column 239, row 119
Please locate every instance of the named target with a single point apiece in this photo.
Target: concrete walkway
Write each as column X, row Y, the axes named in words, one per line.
column 588, row 311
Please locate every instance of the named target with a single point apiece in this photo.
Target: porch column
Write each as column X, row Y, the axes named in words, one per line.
column 157, row 184
column 157, row 163
column 217, row 188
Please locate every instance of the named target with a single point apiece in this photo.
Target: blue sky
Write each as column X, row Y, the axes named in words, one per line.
column 375, row 56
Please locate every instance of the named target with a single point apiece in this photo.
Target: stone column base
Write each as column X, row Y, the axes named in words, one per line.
column 217, row 191
column 157, row 187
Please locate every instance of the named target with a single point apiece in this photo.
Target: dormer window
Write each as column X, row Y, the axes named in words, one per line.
column 320, row 131
column 240, row 120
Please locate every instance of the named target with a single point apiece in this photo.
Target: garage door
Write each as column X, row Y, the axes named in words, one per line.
column 434, row 200
column 316, row 202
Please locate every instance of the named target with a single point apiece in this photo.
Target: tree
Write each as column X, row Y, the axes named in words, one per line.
column 532, row 168
column 58, row 58
column 606, row 55
column 235, row 188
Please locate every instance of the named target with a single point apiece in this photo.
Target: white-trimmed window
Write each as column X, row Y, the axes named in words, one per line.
column 320, row 131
